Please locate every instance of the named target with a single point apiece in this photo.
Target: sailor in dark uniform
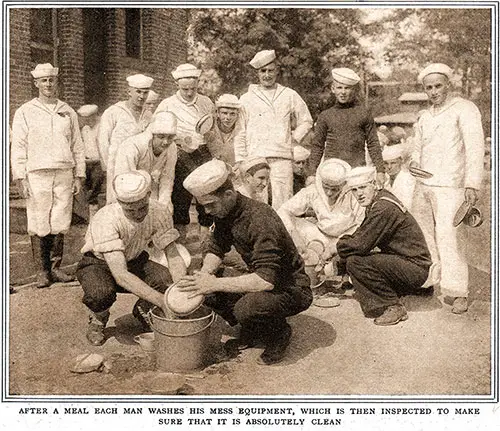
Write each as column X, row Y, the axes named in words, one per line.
column 400, row 266
column 277, row 285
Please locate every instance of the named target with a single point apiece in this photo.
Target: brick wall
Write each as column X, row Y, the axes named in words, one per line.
column 20, row 59
column 70, row 34
column 164, row 47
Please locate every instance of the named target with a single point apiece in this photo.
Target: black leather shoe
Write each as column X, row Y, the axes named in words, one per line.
column 60, row 276
column 246, row 340
column 275, row 349
column 140, row 314
column 392, row 315
column 43, row 279
column 95, row 334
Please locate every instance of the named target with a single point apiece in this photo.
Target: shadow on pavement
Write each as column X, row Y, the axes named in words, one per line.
column 309, row 334
column 125, row 329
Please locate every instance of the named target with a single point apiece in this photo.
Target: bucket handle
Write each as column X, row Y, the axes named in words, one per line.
column 212, row 320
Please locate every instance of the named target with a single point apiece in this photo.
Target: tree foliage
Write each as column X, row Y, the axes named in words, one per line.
column 459, row 37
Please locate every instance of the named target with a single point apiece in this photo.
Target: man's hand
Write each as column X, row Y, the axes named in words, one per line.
column 470, row 196
column 380, row 180
column 23, row 188
column 77, row 185
column 200, row 283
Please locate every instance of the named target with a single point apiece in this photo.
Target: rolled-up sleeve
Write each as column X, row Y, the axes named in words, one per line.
column 105, row 235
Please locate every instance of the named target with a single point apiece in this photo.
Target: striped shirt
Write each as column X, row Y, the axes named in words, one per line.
column 109, row 230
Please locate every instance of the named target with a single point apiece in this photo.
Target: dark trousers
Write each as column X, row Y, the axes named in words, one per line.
column 264, row 313
column 99, row 285
column 94, row 181
column 181, row 198
column 380, row 279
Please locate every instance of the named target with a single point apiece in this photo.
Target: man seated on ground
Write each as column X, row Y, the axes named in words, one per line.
column 399, row 181
column 300, row 156
column 276, row 287
column 114, row 259
column 402, row 265
column 336, row 211
column 254, row 174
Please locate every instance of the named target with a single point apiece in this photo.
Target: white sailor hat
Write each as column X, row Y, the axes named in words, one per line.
column 263, row 58
column 345, row 76
column 140, row 81
column 186, row 70
column 87, row 110
column 43, row 70
column 227, row 101
column 152, row 96
column 207, row 178
column 334, row 171
column 132, row 186
column 440, row 68
column 391, row 152
column 361, row 175
column 164, row 123
column 300, row 153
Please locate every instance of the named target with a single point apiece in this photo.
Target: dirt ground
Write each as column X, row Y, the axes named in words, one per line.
column 334, row 351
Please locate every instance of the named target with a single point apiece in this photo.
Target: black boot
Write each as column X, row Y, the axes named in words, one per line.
column 41, row 257
column 95, row 331
column 56, row 255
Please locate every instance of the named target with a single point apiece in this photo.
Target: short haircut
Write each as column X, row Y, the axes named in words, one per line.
column 257, row 167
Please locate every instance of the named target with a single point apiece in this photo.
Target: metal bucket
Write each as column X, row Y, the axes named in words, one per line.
column 182, row 344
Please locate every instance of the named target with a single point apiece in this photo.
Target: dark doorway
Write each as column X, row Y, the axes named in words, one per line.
column 95, row 56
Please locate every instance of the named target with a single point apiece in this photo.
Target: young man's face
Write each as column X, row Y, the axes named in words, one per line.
column 136, row 211
column 299, row 167
column 393, row 167
column 218, row 206
column 343, row 93
column 227, row 117
column 332, row 192
column 267, row 75
column 150, row 106
column 364, row 193
column 47, row 86
column 160, row 142
column 188, row 88
column 137, row 96
column 437, row 87
column 258, row 181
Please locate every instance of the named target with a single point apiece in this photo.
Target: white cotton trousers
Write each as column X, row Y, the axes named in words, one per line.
column 434, row 209
column 50, row 204
column 281, row 179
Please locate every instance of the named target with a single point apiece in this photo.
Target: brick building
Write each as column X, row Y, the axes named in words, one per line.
column 95, row 49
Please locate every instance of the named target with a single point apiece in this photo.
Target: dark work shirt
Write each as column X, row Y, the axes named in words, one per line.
column 341, row 132
column 258, row 234
column 299, row 182
column 391, row 228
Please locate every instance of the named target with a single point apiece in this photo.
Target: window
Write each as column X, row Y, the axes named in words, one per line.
column 43, row 33
column 133, row 33
column 43, row 38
